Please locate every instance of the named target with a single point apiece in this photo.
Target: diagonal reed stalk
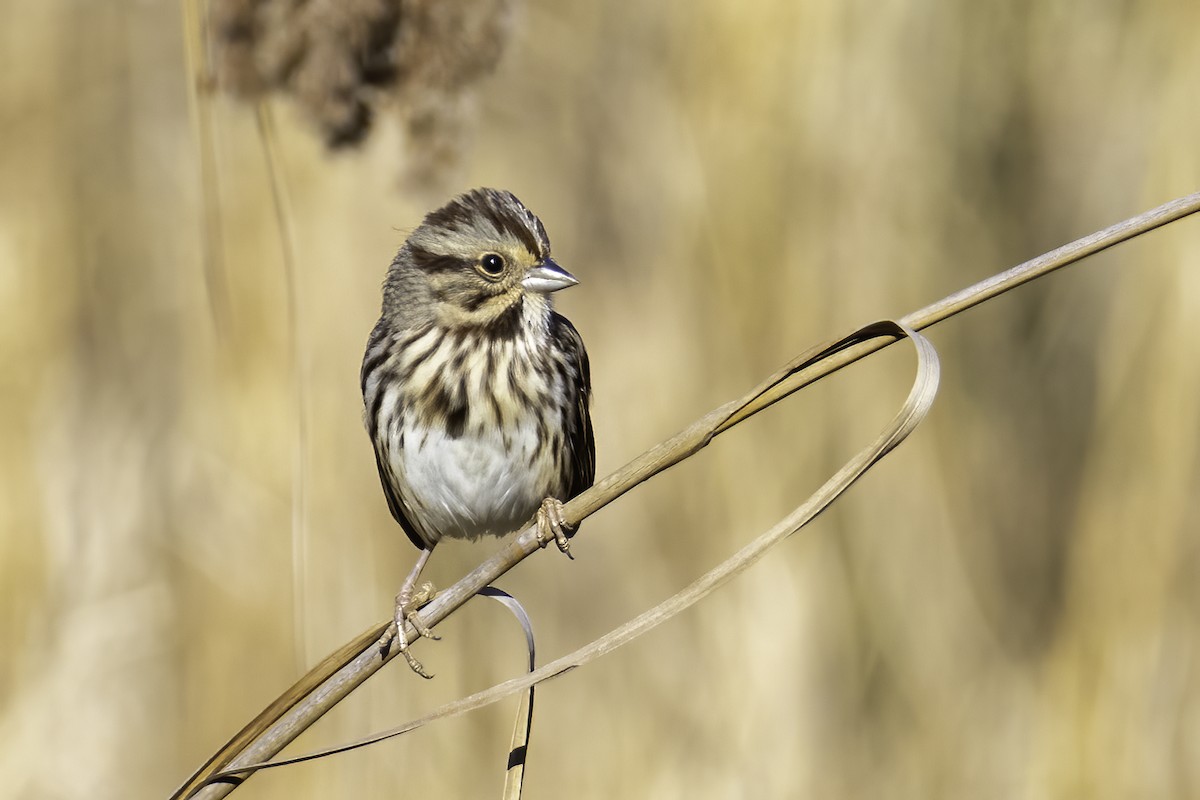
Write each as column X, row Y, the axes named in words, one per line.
column 342, row 671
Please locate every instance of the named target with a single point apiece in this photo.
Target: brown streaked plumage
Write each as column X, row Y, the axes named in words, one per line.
column 475, row 391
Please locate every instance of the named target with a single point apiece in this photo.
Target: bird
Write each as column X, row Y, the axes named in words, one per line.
column 476, row 392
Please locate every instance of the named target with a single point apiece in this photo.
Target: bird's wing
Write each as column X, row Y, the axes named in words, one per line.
column 581, row 443
column 375, row 370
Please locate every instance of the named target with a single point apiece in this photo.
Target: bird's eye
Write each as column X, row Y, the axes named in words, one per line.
column 491, row 264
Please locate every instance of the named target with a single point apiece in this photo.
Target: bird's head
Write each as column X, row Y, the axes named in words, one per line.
column 480, row 261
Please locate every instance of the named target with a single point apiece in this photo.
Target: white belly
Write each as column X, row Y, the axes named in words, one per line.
column 473, row 485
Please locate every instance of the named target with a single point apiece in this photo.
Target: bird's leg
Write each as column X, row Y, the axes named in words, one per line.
column 551, row 525
column 408, row 601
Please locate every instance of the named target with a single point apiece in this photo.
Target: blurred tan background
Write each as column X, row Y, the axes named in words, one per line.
column 1007, row 607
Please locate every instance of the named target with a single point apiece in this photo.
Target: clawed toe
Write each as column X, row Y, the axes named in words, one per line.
column 415, row 619
column 414, row 665
column 393, row 633
column 550, row 525
column 385, row 642
column 407, row 605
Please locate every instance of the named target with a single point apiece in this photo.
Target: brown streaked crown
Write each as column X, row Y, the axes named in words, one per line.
column 494, row 214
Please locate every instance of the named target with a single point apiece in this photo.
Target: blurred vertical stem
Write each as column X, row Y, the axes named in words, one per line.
column 287, row 243
column 199, row 94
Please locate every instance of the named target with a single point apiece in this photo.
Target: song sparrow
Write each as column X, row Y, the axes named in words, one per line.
column 475, row 391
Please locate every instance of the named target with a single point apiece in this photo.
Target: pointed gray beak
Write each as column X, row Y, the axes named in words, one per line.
column 547, row 277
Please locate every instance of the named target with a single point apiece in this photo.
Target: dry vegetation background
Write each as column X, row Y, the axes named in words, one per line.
column 1008, row 607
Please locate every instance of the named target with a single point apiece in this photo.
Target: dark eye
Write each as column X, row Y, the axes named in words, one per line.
column 491, row 264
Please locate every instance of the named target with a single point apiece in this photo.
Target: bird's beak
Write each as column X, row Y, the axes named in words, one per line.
column 547, row 277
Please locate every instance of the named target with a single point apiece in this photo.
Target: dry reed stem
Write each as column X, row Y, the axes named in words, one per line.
column 282, row 205
column 344, row 670
column 199, row 95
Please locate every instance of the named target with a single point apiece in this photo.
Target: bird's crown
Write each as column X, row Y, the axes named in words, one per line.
column 483, row 216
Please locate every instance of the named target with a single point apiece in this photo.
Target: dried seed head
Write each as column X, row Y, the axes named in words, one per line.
column 344, row 62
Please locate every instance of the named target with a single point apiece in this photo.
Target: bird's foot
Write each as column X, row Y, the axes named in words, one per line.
column 551, row 525
column 408, row 603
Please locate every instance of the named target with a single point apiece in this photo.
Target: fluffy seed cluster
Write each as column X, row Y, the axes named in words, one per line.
column 344, row 60
column 475, row 391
